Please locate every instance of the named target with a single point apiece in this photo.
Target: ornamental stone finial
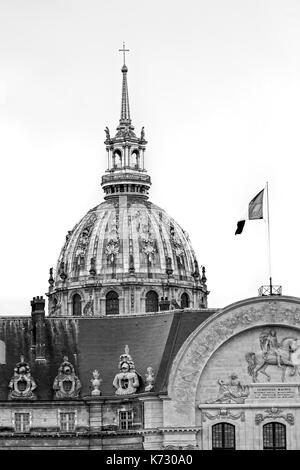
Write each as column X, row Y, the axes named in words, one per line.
column 96, row 382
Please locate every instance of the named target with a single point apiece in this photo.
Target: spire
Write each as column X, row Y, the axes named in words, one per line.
column 125, row 172
column 125, row 112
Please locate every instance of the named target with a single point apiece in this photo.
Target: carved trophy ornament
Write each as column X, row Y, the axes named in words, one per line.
column 231, row 391
column 126, row 381
column 22, row 384
column 282, row 354
column 66, row 383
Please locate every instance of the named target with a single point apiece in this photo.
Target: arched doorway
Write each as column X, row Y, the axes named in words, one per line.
column 76, row 307
column 223, row 436
column 274, row 436
column 185, row 300
column 151, row 301
column 112, row 303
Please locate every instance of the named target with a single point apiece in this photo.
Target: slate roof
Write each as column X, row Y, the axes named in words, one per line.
column 97, row 343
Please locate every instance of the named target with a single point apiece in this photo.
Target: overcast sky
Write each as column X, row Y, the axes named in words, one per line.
column 216, row 85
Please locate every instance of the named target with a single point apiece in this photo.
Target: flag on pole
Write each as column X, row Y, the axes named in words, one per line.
column 255, row 211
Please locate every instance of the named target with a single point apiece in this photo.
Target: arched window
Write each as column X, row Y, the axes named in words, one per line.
column 117, row 159
column 76, row 305
column 274, row 435
column 223, row 436
column 112, row 303
column 135, row 159
column 151, row 301
column 185, row 300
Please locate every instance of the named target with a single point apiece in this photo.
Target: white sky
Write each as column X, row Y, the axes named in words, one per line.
column 216, row 85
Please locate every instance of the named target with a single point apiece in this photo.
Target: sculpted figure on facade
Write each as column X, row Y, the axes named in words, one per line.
column 274, row 353
column 66, row 383
column 126, row 381
column 22, row 383
column 149, row 378
column 231, row 391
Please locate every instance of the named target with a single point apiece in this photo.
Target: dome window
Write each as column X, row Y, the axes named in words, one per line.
column 151, row 301
column 112, row 303
column 76, row 305
column 135, row 159
column 185, row 300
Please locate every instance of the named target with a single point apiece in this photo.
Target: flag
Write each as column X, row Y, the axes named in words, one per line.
column 255, row 211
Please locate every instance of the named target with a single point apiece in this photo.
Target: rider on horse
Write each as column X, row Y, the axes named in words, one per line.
column 269, row 345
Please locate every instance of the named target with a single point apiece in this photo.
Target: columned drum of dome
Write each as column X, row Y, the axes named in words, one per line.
column 126, row 244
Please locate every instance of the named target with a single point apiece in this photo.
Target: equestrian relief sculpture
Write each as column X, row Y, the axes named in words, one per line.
column 284, row 354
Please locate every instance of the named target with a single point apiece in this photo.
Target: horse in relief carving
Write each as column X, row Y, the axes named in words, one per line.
column 285, row 354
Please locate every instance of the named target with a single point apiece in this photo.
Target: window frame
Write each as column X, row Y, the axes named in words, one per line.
column 224, row 427
column 15, row 421
column 128, row 420
column 68, row 412
column 274, row 437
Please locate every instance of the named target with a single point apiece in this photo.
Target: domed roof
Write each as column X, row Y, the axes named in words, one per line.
column 127, row 235
column 126, row 255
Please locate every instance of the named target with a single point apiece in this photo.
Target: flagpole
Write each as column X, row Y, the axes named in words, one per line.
column 269, row 237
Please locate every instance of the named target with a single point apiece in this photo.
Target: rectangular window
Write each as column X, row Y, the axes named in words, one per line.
column 22, row 422
column 67, row 421
column 126, row 419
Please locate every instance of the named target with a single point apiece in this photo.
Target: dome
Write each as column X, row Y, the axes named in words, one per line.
column 125, row 236
column 126, row 255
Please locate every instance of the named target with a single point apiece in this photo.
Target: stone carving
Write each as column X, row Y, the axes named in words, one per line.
column 62, row 272
column 231, row 391
column 145, row 236
column 113, row 243
column 176, row 244
column 66, row 383
column 195, row 352
column 93, row 271
column 280, row 354
column 149, row 379
column 223, row 414
column 96, row 382
column 88, row 310
column 143, row 134
column 55, row 306
column 51, row 280
column 83, row 241
column 274, row 413
column 126, row 381
column 68, row 236
column 22, row 383
column 125, row 132
column 106, row 130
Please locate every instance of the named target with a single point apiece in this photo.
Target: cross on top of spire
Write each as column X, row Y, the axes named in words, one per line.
column 124, row 50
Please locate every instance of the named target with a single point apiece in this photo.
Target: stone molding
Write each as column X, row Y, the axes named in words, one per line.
column 274, row 413
column 223, row 414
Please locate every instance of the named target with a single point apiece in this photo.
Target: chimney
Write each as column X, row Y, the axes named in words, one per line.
column 38, row 328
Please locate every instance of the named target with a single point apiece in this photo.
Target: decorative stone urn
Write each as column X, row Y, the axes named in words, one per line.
column 96, row 382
